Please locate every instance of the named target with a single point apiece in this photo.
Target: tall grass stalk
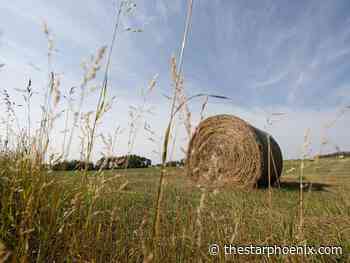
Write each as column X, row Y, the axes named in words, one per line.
column 43, row 133
column 136, row 116
column 67, row 111
column 11, row 117
column 269, row 181
column 156, row 225
column 301, row 186
column 199, row 224
column 27, row 98
column 102, row 103
column 90, row 71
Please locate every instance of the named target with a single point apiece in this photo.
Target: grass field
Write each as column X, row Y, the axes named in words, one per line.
column 72, row 217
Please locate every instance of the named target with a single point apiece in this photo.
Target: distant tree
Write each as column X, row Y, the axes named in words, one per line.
column 135, row 161
column 72, row 165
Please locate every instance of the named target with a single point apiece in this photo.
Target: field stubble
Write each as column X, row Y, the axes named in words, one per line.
column 63, row 217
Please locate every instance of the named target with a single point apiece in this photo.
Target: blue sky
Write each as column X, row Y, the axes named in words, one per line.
column 268, row 56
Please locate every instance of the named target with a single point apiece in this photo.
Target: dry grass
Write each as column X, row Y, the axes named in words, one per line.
column 61, row 217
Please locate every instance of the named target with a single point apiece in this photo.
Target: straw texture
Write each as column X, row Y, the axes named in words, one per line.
column 227, row 150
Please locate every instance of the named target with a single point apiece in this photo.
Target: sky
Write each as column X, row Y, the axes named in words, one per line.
column 290, row 57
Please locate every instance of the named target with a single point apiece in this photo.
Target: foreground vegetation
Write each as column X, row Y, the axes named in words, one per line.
column 85, row 217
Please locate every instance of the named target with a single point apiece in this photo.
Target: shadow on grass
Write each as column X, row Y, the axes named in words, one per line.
column 295, row 186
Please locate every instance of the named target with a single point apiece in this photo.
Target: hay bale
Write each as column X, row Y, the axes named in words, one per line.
column 227, row 150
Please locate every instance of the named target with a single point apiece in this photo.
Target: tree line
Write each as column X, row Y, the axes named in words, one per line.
column 105, row 163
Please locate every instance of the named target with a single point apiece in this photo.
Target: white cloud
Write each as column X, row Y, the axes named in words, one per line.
column 271, row 81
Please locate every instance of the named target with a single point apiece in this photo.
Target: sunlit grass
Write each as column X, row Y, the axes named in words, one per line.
column 58, row 216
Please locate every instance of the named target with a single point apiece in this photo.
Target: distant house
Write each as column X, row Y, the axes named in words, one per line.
column 111, row 162
column 126, row 161
column 339, row 155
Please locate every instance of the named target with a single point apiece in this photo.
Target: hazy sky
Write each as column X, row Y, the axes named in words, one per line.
column 268, row 56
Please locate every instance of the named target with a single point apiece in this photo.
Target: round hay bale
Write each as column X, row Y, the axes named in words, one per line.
column 227, row 150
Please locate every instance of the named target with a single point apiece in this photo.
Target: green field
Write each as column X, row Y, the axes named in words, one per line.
column 108, row 217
